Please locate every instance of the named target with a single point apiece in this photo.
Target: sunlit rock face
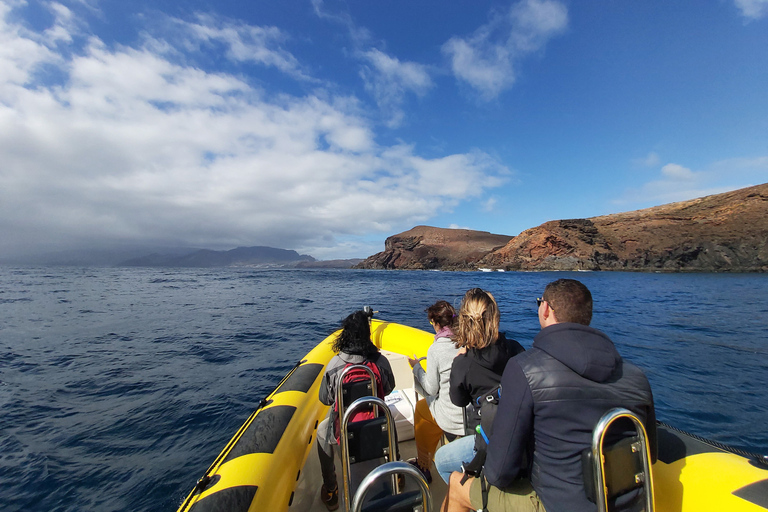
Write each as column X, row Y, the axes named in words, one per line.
column 723, row 232
column 426, row 248
column 718, row 233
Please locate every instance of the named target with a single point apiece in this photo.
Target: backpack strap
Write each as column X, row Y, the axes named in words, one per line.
column 484, row 491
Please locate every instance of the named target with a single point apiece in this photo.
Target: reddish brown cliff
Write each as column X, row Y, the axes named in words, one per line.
column 425, row 247
column 723, row 232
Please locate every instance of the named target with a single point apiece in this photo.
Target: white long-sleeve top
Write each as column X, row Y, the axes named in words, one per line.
column 435, row 383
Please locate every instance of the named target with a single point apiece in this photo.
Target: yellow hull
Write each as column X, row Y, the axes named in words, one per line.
column 260, row 467
column 258, row 471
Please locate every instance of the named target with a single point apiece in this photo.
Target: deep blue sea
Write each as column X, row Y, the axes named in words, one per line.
column 119, row 386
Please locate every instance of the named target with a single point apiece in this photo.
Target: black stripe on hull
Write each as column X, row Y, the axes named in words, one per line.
column 235, row 499
column 263, row 434
column 756, row 493
column 674, row 446
column 301, row 379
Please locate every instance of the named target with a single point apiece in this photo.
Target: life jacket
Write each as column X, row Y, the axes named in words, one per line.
column 358, row 375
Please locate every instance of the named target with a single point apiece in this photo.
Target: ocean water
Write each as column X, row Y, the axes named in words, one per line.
column 119, row 386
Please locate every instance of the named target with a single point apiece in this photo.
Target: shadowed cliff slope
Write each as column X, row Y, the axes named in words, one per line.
column 425, row 247
column 723, row 232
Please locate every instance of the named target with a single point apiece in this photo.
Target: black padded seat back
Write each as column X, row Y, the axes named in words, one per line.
column 368, row 440
column 393, row 502
column 365, row 441
column 351, row 391
column 617, row 469
column 405, row 502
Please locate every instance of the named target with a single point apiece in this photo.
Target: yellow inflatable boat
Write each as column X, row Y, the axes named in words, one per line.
column 270, row 464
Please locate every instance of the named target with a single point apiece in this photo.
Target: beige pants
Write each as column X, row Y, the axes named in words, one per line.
column 519, row 497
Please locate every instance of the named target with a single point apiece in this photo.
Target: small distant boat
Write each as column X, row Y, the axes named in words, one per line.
column 481, row 269
column 271, row 463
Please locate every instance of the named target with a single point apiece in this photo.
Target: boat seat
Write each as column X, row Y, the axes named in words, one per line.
column 617, row 467
column 405, row 502
column 363, row 443
column 348, row 392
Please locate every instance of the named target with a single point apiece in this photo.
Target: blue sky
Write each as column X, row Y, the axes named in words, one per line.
column 325, row 126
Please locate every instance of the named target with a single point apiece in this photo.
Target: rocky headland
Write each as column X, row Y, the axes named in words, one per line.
column 717, row 233
column 427, row 248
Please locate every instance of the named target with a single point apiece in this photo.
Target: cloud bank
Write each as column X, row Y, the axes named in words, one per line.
column 486, row 60
column 136, row 144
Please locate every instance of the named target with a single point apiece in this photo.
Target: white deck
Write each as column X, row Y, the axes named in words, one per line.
column 307, row 496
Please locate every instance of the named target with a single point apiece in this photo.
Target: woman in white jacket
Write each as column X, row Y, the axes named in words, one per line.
column 435, row 415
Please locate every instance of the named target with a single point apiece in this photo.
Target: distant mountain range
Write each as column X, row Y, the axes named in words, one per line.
column 258, row 256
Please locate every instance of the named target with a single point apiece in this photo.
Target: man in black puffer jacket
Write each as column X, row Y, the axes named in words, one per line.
column 555, row 393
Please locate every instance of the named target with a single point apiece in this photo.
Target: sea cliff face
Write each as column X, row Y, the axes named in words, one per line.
column 425, row 248
column 723, row 232
column 718, row 233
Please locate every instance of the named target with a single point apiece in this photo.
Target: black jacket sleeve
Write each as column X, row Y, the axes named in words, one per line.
column 512, row 429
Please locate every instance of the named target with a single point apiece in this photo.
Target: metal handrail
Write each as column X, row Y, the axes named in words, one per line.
column 598, row 459
column 339, row 387
column 392, row 468
column 377, row 403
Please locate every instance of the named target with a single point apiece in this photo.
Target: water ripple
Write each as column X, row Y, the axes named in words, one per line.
column 120, row 386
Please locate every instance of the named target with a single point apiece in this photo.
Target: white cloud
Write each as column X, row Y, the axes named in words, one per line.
column 652, row 159
column 486, row 60
column 753, row 9
column 132, row 145
column 388, row 80
column 360, row 35
column 677, row 173
column 244, row 43
column 679, row 183
column 489, row 204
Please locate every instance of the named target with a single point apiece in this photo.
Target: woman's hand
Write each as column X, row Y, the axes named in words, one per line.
column 413, row 361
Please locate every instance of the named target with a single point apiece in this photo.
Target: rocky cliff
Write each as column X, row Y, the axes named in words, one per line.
column 425, row 247
column 723, row 232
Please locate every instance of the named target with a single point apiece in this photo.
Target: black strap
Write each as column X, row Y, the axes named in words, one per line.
column 484, row 490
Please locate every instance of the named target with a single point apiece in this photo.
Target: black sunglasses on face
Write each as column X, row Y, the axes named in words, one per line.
column 539, row 300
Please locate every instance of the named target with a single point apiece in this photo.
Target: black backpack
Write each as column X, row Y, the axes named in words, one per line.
column 485, row 407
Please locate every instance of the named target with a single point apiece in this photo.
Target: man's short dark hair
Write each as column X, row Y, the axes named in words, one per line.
column 570, row 300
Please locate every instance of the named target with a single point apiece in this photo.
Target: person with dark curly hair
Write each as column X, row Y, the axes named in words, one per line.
column 353, row 345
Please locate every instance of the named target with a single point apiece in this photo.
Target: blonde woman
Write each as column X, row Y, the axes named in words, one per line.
column 476, row 370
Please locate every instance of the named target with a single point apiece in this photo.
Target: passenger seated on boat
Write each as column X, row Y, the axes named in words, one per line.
column 555, row 393
column 353, row 346
column 476, row 371
column 435, row 414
